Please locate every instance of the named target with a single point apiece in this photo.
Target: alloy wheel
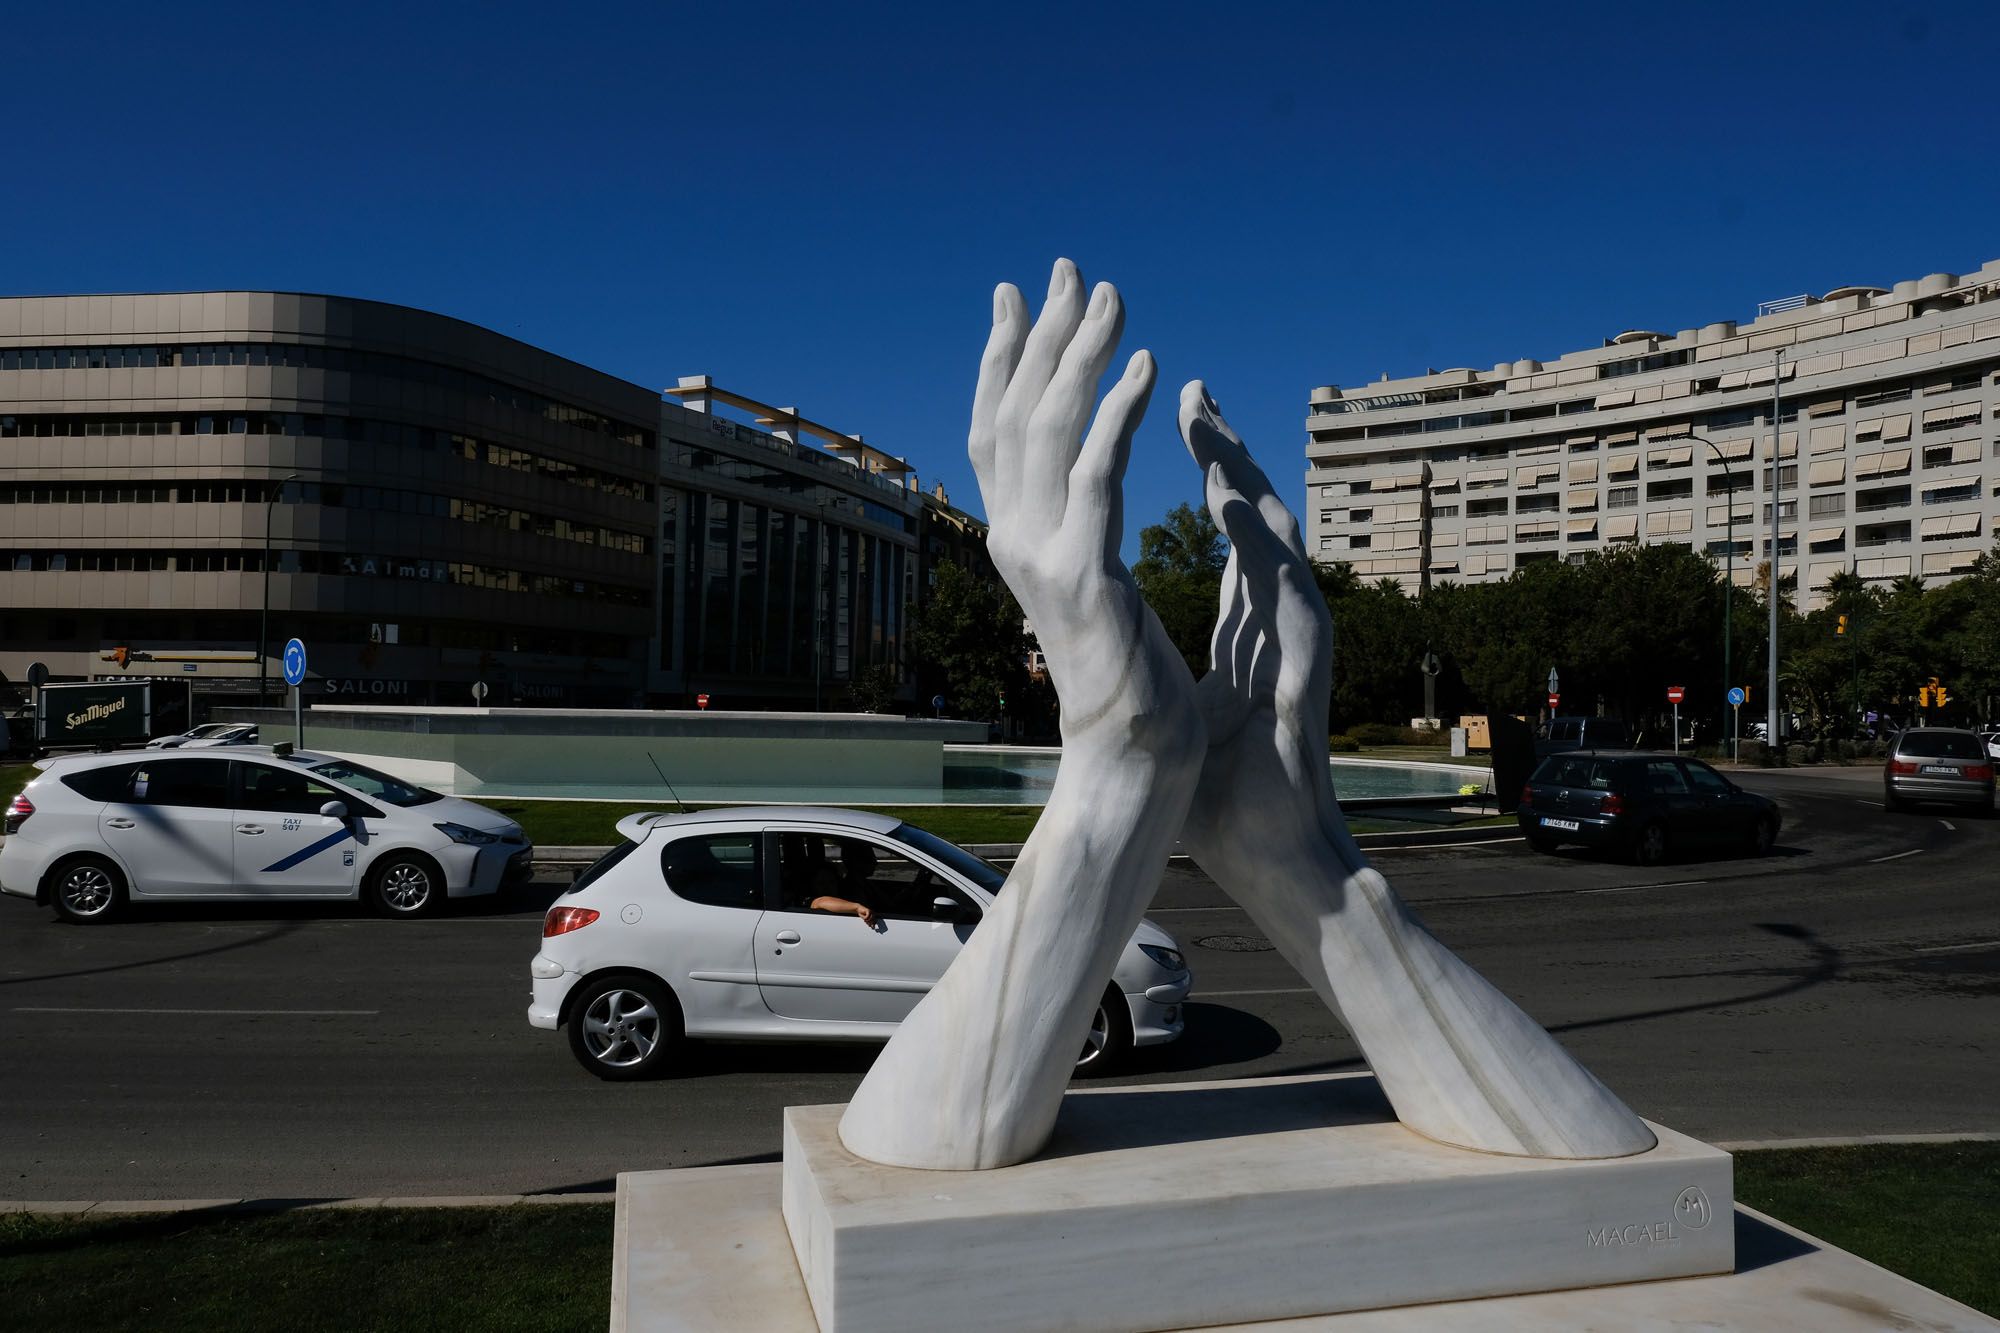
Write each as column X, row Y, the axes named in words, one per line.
column 1096, row 1039
column 406, row 887
column 87, row 891
column 621, row 1028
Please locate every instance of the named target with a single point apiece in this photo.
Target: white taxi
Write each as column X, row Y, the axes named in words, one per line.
column 94, row 832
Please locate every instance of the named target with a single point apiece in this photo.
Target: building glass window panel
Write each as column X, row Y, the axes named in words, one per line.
column 748, row 626
column 778, row 595
column 718, row 554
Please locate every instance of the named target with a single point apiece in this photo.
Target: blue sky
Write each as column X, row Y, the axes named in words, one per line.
column 811, row 203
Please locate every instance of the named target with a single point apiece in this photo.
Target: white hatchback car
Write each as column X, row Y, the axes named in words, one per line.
column 94, row 831
column 700, row 925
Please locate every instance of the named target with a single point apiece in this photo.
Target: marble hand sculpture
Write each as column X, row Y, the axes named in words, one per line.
column 1459, row 1061
column 975, row 1075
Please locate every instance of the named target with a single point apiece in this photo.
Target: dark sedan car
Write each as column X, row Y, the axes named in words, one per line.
column 1644, row 805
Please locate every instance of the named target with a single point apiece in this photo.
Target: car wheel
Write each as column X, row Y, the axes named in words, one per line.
column 406, row 886
column 1764, row 836
column 1650, row 847
column 622, row 1027
column 88, row 889
column 1892, row 802
column 1109, row 1039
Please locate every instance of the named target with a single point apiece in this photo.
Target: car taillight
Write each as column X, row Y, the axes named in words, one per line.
column 562, row 920
column 1977, row 772
column 17, row 813
column 1611, row 804
column 1527, row 793
column 1902, row 766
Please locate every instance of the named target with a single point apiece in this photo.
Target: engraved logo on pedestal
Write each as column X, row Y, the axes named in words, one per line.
column 1692, row 1208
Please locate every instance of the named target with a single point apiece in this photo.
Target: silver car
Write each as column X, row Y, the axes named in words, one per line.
column 706, row 925
column 1938, row 764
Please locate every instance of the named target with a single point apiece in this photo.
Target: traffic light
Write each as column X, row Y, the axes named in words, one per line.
column 1939, row 694
column 1841, row 628
column 1923, row 696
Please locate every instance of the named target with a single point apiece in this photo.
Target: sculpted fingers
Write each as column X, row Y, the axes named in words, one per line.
column 1211, row 439
column 996, row 371
column 1061, row 314
column 1058, row 421
column 1094, row 484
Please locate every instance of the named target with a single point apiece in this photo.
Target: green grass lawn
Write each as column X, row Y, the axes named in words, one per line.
column 13, row 777
column 1926, row 1211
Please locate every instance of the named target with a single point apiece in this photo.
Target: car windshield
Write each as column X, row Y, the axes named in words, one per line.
column 983, row 873
column 205, row 730
column 392, row 791
column 1939, row 745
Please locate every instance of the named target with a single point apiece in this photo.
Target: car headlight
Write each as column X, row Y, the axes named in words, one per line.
column 1170, row 959
column 472, row 836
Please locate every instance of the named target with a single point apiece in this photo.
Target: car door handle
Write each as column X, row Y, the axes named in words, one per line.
column 249, row 828
column 788, row 937
column 120, row 823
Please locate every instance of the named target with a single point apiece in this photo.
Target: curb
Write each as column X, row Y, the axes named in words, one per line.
column 126, row 1207
column 1007, row 851
column 129, row 1207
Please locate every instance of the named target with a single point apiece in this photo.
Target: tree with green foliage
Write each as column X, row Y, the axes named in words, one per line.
column 1179, row 572
column 967, row 641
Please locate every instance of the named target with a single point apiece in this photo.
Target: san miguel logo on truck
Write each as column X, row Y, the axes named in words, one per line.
column 93, row 713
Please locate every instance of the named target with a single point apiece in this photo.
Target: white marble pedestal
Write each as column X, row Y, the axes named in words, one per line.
column 1376, row 1215
column 1207, row 1203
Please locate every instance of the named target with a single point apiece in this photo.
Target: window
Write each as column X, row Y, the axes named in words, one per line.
column 1827, row 506
column 1719, row 482
column 1444, row 511
column 1326, row 516
column 811, row 865
column 284, row 791
column 1787, row 511
column 1706, row 780
column 1621, row 497
column 199, row 784
column 718, row 870
column 1678, row 489
column 1483, row 508
column 1664, row 778
column 1360, row 515
column 1788, row 476
column 1536, row 504
column 101, row 784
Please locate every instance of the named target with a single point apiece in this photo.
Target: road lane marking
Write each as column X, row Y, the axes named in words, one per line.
column 231, row 1013
column 1230, row 994
column 1958, row 948
column 1949, row 826
column 1894, row 856
column 1876, row 804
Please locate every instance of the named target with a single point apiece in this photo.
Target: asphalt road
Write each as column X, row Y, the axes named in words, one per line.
column 1848, row 984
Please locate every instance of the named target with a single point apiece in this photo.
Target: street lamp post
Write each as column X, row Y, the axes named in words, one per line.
column 1777, row 458
column 1729, row 562
column 264, row 621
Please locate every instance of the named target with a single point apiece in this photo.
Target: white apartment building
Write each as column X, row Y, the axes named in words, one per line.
column 1889, row 464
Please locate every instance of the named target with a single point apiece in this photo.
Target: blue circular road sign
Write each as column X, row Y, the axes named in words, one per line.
column 295, row 662
column 1736, row 695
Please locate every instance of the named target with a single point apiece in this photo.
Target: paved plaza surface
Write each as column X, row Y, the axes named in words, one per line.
column 1843, row 986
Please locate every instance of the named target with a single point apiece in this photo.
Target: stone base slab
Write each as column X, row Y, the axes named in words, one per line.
column 706, row 1251
column 1206, row 1203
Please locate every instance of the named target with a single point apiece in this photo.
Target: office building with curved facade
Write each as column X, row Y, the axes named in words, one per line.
column 1888, row 445
column 441, row 504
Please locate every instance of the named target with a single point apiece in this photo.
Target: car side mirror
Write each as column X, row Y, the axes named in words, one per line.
column 334, row 810
column 945, row 909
